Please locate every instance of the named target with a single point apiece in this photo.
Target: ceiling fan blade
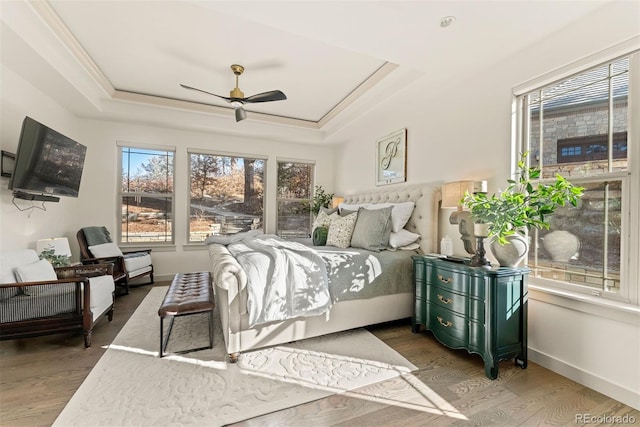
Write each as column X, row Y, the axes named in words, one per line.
column 240, row 114
column 208, row 93
column 274, row 95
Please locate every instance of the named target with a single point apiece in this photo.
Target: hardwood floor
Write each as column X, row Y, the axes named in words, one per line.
column 38, row 376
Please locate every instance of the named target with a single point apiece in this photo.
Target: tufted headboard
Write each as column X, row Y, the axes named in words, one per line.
column 424, row 219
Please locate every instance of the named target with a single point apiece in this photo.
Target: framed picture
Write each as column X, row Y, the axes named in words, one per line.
column 391, row 158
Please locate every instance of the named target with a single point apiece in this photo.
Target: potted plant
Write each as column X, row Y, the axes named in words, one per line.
column 521, row 207
column 56, row 260
column 321, row 199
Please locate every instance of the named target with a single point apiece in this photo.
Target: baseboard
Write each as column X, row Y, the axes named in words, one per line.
column 163, row 277
column 599, row 384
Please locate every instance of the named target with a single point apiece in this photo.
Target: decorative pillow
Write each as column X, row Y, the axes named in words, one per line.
column 402, row 238
column 319, row 236
column 399, row 215
column 105, row 250
column 36, row 272
column 372, row 229
column 322, row 220
column 341, row 229
column 328, row 211
column 350, row 207
column 345, row 212
column 411, row 247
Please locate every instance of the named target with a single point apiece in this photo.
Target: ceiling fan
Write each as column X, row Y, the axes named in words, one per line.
column 236, row 97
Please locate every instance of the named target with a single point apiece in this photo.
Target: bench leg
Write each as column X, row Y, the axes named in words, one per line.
column 161, row 336
column 163, row 341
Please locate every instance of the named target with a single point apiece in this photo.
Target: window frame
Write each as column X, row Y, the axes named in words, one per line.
column 629, row 239
column 120, row 194
column 220, row 153
column 311, row 188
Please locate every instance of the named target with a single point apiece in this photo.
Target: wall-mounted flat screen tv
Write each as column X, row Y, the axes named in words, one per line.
column 47, row 162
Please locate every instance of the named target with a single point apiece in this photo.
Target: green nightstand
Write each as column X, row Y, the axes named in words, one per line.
column 481, row 310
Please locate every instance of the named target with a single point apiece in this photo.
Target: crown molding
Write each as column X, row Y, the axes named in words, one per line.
column 96, row 87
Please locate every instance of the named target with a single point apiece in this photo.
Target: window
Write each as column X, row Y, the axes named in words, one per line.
column 578, row 127
column 146, row 196
column 226, row 194
column 295, row 190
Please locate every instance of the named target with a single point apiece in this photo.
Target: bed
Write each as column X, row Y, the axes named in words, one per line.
column 350, row 309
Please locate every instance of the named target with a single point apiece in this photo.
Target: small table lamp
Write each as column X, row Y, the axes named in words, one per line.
column 60, row 246
column 335, row 202
column 452, row 193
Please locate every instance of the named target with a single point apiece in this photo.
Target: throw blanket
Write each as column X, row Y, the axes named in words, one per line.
column 96, row 235
column 284, row 279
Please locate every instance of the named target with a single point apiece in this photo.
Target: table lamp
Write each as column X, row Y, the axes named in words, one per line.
column 452, row 193
column 60, row 247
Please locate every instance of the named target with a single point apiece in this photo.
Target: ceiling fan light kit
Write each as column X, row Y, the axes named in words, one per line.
column 236, row 96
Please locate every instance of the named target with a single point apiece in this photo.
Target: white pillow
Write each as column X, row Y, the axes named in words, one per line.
column 105, row 250
column 38, row 271
column 341, row 230
column 399, row 215
column 411, row 247
column 402, row 238
column 346, row 206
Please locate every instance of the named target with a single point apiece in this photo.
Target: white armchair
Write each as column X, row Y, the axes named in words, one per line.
column 36, row 299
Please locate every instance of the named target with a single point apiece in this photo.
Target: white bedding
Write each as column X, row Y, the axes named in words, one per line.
column 346, row 312
column 285, row 279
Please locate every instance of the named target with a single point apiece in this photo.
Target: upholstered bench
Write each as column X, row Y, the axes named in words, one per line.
column 189, row 293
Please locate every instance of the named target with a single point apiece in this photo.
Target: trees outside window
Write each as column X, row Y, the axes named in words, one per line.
column 146, row 196
column 295, row 194
column 226, row 194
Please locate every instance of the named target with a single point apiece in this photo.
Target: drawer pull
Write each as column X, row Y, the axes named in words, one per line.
column 445, row 280
column 445, row 300
column 443, row 323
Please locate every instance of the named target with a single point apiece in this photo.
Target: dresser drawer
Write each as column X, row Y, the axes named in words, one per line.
column 450, row 327
column 448, row 278
column 448, row 300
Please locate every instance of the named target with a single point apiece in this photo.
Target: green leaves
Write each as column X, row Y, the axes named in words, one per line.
column 321, row 199
column 524, row 204
column 56, row 260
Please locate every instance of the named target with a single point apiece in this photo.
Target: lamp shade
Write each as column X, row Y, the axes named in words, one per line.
column 336, row 201
column 60, row 246
column 452, row 192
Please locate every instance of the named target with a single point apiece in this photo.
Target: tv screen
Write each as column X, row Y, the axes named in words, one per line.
column 47, row 162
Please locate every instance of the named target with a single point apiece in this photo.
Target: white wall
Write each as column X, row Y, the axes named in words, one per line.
column 21, row 229
column 98, row 198
column 462, row 130
column 97, row 201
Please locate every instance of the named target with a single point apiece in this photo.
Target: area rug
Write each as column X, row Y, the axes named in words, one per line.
column 131, row 385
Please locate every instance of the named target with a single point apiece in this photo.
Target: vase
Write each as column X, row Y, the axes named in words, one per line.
column 512, row 253
column 561, row 245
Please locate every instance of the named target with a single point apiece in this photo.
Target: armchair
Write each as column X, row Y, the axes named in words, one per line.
column 96, row 246
column 36, row 299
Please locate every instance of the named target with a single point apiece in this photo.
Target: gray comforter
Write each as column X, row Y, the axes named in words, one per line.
column 284, row 280
column 360, row 274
